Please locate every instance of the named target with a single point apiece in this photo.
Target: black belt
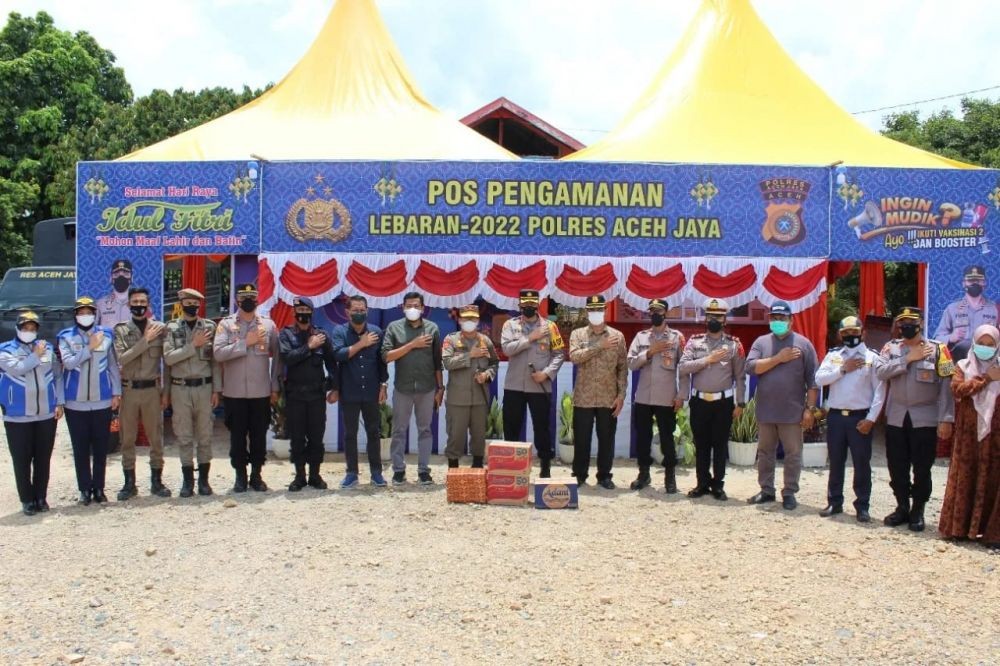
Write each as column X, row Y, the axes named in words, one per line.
column 849, row 412
column 139, row 383
column 198, row 381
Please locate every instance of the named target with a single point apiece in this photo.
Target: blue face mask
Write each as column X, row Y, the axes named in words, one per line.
column 984, row 352
column 779, row 327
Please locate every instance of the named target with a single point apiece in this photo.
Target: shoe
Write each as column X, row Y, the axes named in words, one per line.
column 477, row 462
column 641, row 481
column 789, row 503
column 399, row 478
column 831, row 510
column 863, row 516
column 256, row 480
column 156, row 486
column 916, row 517
column 378, row 480
column 546, row 470
column 350, row 481
column 299, row 482
column 100, row 497
column 697, row 492
column 607, row 484
column 315, row 480
column 452, row 463
column 203, row 487
column 425, row 479
column 761, row 498
column 187, row 484
column 898, row 517
column 720, row 495
column 581, row 481
column 28, row 508
column 240, row 485
column 43, row 507
column 670, row 481
column 128, row 488
column 85, row 498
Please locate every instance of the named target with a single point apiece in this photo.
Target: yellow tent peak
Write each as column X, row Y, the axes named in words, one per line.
column 349, row 97
column 730, row 94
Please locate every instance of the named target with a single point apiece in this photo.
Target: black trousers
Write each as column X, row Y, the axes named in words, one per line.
column 369, row 411
column 306, row 423
column 907, row 447
column 710, row 425
column 89, row 432
column 666, row 419
column 843, row 436
column 30, row 447
column 584, row 419
column 248, row 420
column 539, row 405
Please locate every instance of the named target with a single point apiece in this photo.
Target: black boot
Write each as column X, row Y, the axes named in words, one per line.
column 240, row 486
column 670, row 481
column 901, row 515
column 156, row 483
column 256, row 481
column 187, row 485
column 128, row 488
column 641, row 481
column 477, row 462
column 299, row 482
column 85, row 498
column 203, row 487
column 315, row 480
column 452, row 463
column 917, row 517
column 546, row 471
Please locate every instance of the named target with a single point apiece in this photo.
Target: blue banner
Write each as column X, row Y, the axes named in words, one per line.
column 546, row 208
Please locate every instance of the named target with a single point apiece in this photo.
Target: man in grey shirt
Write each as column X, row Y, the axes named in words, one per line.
column 414, row 345
column 785, row 365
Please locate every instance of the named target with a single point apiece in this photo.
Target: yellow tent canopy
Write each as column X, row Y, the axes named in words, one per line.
column 730, row 94
column 349, row 97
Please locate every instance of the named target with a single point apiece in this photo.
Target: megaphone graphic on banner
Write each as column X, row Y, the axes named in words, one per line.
column 871, row 216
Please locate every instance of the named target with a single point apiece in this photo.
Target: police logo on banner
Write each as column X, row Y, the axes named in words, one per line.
column 785, row 198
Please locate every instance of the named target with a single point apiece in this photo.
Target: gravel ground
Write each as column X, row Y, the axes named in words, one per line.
column 400, row 576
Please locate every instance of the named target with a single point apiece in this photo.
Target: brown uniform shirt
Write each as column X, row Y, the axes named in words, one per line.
column 184, row 359
column 138, row 359
column 247, row 373
column 657, row 382
column 602, row 374
column 921, row 389
column 463, row 390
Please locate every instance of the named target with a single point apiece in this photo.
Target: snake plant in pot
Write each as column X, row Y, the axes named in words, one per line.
column 743, row 436
column 566, row 428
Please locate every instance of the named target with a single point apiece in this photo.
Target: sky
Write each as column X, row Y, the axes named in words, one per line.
column 578, row 64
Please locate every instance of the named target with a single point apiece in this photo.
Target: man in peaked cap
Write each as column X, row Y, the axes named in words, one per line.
column 535, row 352
column 113, row 308
column 598, row 352
column 961, row 318
column 714, row 361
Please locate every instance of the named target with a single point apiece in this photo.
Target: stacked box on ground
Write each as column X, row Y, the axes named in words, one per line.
column 513, row 457
column 466, row 486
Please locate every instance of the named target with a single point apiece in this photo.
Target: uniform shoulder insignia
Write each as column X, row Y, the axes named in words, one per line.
column 697, row 336
column 556, row 341
column 887, row 347
column 945, row 365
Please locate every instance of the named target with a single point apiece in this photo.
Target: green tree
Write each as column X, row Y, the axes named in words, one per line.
column 973, row 138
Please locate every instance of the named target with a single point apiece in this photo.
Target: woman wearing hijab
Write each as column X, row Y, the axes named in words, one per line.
column 972, row 497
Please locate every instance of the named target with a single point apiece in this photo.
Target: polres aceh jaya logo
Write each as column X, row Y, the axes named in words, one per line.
column 785, row 199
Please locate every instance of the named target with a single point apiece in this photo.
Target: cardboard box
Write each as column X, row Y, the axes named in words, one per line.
column 513, row 457
column 466, row 486
column 507, row 488
column 556, row 494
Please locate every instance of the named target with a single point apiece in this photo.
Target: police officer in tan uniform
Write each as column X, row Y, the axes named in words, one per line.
column 139, row 348
column 246, row 345
column 195, row 382
column 715, row 362
column 472, row 362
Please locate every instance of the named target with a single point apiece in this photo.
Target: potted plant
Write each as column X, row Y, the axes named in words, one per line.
column 814, row 450
column 385, row 430
column 743, row 436
column 277, row 435
column 494, row 421
column 566, row 428
column 683, row 440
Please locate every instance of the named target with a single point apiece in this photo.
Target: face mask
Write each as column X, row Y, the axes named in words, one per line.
column 529, row 311
column 85, row 321
column 121, row 284
column 248, row 305
column 984, row 352
column 27, row 337
column 852, row 341
column 412, row 314
column 779, row 327
column 656, row 319
column 469, row 326
column 974, row 290
column 190, row 310
column 138, row 311
column 595, row 318
column 359, row 317
column 909, row 331
column 303, row 317
column 714, row 325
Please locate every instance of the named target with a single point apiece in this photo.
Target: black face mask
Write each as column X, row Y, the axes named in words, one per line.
column 359, row 317
column 656, row 318
column 974, row 290
column 138, row 311
column 248, row 305
column 851, row 341
column 714, row 325
column 909, row 331
column 303, row 317
column 121, row 284
column 190, row 310
column 529, row 311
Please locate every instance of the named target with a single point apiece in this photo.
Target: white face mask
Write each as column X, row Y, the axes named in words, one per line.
column 27, row 337
column 595, row 318
column 412, row 314
column 86, row 321
column 469, row 326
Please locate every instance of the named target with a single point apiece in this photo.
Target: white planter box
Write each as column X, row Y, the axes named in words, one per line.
column 814, row 454
column 385, row 449
column 281, row 448
column 743, row 454
column 566, row 453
